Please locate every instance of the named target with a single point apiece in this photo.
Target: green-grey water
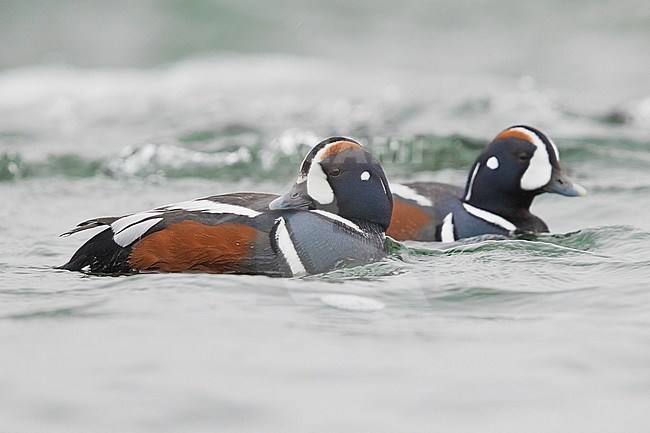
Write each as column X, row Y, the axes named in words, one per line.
column 538, row 333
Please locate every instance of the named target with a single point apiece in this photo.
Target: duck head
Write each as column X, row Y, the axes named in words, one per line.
column 339, row 176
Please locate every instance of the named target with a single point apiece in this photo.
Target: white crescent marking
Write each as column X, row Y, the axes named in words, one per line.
column 539, row 168
column 318, row 187
column 447, row 230
column 283, row 239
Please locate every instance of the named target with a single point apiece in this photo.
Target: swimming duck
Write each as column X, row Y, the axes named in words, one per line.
column 335, row 215
column 517, row 166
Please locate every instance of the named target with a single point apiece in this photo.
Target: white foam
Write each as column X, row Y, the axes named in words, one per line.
column 352, row 303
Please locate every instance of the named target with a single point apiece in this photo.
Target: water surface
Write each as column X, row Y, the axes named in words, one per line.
column 547, row 333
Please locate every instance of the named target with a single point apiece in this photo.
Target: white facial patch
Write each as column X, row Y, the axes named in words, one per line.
column 471, row 182
column 492, row 163
column 365, row 175
column 318, row 187
column 539, row 168
column 447, row 229
column 210, row 206
column 288, row 250
column 409, row 194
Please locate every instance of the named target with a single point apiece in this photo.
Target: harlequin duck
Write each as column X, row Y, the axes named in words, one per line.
column 518, row 165
column 335, row 215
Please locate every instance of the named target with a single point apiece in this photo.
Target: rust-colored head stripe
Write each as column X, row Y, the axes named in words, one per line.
column 338, row 147
column 513, row 133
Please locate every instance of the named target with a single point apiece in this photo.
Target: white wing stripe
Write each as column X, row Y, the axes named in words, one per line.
column 123, row 223
column 409, row 194
column 130, row 234
column 212, row 207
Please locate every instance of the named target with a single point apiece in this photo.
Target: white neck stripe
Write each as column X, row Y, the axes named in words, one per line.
column 338, row 218
column 490, row 217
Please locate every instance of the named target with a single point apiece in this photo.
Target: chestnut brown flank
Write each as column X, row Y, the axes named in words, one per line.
column 511, row 133
column 190, row 246
column 407, row 221
column 338, row 147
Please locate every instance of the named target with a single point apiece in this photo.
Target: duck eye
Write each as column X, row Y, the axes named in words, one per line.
column 335, row 172
column 523, row 157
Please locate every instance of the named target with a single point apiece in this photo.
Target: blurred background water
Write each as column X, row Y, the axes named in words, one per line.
column 112, row 107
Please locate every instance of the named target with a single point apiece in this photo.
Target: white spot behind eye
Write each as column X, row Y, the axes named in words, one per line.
column 365, row 175
column 492, row 163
